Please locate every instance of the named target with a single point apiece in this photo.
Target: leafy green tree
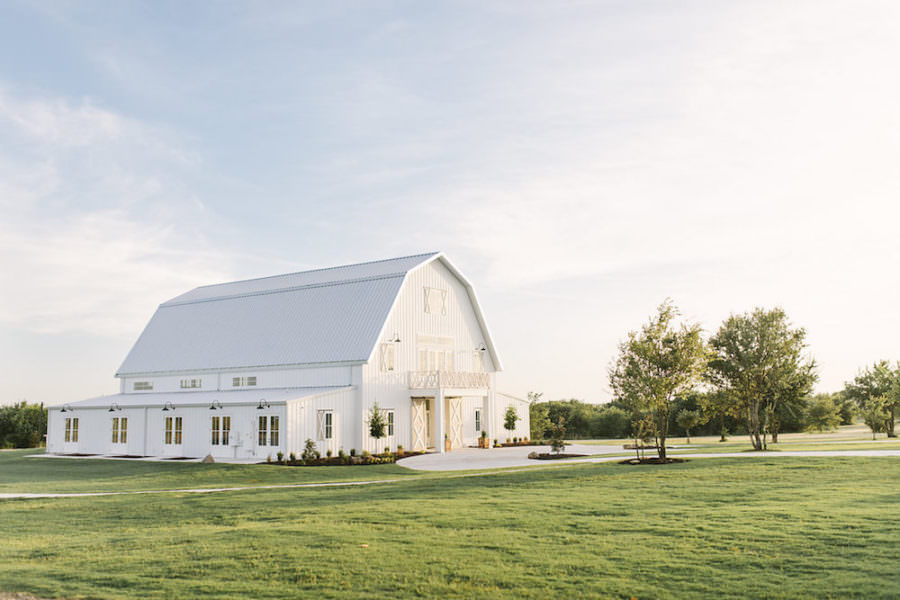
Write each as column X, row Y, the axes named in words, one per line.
column 875, row 415
column 22, row 425
column 759, row 363
column 657, row 364
column 539, row 416
column 687, row 420
column 717, row 405
column 822, row 414
column 510, row 418
column 610, row 422
column 557, row 435
column 878, row 381
column 377, row 423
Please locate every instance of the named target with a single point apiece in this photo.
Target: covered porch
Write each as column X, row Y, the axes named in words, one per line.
column 437, row 407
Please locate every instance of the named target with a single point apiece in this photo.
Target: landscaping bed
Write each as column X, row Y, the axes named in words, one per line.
column 342, row 459
column 553, row 455
column 654, row 460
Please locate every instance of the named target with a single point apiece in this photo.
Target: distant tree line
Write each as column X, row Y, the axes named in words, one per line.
column 752, row 377
column 22, row 425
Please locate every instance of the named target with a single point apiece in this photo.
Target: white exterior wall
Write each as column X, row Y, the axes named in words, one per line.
column 266, row 378
column 409, row 321
column 302, row 422
column 146, row 431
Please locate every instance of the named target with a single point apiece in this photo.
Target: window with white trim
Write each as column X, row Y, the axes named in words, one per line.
column 120, row 430
column 273, row 430
column 187, row 384
column 326, row 425
column 268, row 430
column 478, row 361
column 478, row 421
column 243, row 381
column 71, row 430
column 389, row 417
column 221, row 431
column 435, row 301
column 263, row 429
column 173, row 431
column 142, row 386
column 387, row 356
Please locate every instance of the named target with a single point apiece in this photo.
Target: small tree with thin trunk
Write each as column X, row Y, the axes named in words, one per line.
column 687, row 420
column 657, row 364
column 377, row 424
column 876, row 416
column 510, row 419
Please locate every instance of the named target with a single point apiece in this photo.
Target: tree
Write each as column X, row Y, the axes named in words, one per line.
column 687, row 420
column 717, row 405
column 822, row 414
column 875, row 415
column 377, row 423
column 879, row 381
column 510, row 418
column 539, row 416
column 758, row 362
column 656, row 364
column 22, row 425
column 557, row 435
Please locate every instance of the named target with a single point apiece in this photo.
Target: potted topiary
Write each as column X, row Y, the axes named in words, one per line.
column 483, row 441
column 446, row 442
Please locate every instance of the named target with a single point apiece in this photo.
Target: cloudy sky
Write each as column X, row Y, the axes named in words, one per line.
column 579, row 161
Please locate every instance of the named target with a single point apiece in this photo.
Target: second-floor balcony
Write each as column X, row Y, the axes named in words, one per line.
column 429, row 380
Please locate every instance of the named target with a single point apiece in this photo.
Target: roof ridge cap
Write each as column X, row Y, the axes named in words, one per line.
column 286, row 289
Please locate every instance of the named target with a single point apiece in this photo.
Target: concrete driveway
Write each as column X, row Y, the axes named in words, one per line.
column 494, row 458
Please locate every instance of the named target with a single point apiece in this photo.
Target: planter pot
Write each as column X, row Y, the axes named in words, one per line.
column 447, row 445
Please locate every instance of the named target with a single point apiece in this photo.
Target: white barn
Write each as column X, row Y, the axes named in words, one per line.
column 251, row 368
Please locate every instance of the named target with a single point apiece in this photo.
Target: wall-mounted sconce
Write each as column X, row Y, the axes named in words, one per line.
column 395, row 339
column 481, row 348
column 66, row 408
column 215, row 405
column 168, row 406
column 114, row 407
column 263, row 404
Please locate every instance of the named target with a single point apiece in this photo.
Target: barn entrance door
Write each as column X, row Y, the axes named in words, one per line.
column 454, row 422
column 422, row 424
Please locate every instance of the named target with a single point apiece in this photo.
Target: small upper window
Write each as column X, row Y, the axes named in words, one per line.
column 387, row 357
column 243, row 381
column 187, row 384
column 143, row 386
column 435, row 301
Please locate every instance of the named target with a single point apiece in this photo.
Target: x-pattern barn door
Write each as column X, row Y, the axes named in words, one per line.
column 418, row 424
column 456, row 422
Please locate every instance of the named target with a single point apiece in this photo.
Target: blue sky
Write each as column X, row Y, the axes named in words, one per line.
column 579, row 161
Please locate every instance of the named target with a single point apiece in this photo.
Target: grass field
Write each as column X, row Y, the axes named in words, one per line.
column 711, row 528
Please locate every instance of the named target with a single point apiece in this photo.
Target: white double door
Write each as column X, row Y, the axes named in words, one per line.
column 423, row 425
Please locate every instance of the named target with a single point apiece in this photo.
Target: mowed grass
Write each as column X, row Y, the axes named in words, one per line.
column 709, row 528
column 21, row 472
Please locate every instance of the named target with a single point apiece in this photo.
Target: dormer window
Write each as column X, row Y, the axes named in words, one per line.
column 243, row 381
column 435, row 301
column 143, row 386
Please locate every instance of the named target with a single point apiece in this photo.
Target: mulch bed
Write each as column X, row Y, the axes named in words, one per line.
column 652, row 461
column 550, row 456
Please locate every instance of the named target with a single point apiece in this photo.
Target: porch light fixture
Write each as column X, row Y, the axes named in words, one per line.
column 215, row 404
column 263, row 404
column 168, row 406
column 114, row 407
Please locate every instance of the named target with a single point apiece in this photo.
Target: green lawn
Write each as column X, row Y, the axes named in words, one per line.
column 711, row 528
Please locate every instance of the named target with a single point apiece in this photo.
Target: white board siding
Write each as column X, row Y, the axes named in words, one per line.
column 302, row 424
column 265, row 379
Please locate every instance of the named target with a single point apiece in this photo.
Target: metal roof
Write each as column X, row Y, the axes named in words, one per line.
column 183, row 399
column 333, row 315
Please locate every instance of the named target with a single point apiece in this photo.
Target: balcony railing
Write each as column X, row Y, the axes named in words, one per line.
column 426, row 380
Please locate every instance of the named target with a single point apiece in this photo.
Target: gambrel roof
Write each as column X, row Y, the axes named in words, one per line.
column 323, row 316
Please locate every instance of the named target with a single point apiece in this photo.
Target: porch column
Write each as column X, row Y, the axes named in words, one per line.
column 439, row 420
column 486, row 410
